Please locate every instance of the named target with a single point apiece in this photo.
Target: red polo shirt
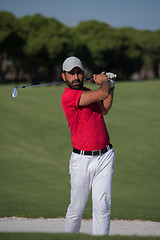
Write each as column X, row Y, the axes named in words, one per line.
column 87, row 126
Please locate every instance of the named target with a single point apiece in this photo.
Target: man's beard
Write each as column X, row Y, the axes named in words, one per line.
column 78, row 86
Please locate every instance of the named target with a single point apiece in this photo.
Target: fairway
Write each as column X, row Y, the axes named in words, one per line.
column 35, row 150
column 42, row 236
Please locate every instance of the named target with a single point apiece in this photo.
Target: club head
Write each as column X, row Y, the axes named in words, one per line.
column 14, row 93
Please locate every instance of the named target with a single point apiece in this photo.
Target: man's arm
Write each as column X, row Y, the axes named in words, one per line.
column 107, row 103
column 88, row 97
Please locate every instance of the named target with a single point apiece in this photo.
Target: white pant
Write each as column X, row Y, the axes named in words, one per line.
column 87, row 172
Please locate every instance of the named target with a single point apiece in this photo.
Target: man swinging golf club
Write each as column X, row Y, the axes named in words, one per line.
column 92, row 159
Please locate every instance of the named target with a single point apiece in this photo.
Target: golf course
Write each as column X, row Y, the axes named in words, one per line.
column 35, row 149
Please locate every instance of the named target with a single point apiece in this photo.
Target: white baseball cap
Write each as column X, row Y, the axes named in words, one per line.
column 72, row 62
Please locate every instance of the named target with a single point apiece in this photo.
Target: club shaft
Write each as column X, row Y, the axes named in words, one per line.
column 14, row 92
column 37, row 85
column 45, row 84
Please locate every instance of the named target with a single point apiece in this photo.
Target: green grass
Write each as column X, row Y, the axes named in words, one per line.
column 35, row 150
column 49, row 236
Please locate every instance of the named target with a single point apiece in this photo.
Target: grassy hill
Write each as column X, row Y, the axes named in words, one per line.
column 35, row 150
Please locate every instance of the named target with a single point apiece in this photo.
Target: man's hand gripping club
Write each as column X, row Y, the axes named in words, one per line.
column 88, row 97
column 111, row 77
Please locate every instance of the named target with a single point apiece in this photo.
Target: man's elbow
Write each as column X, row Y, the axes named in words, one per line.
column 106, row 110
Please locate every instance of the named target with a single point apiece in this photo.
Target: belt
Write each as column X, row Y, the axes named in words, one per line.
column 93, row 153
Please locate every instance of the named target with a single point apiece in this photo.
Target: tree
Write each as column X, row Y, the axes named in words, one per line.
column 11, row 43
column 42, row 45
column 112, row 49
column 155, row 46
column 39, row 45
column 48, row 43
column 92, row 34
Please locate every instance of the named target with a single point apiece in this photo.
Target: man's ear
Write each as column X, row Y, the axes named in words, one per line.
column 63, row 76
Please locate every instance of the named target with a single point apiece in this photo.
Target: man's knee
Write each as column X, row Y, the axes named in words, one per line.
column 102, row 206
column 77, row 209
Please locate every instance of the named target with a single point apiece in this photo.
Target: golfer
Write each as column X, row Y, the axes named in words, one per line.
column 92, row 159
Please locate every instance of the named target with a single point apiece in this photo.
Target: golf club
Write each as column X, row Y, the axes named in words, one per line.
column 15, row 92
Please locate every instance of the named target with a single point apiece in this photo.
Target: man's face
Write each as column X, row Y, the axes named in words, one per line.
column 74, row 78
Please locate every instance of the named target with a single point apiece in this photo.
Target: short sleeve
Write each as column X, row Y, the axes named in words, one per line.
column 71, row 98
